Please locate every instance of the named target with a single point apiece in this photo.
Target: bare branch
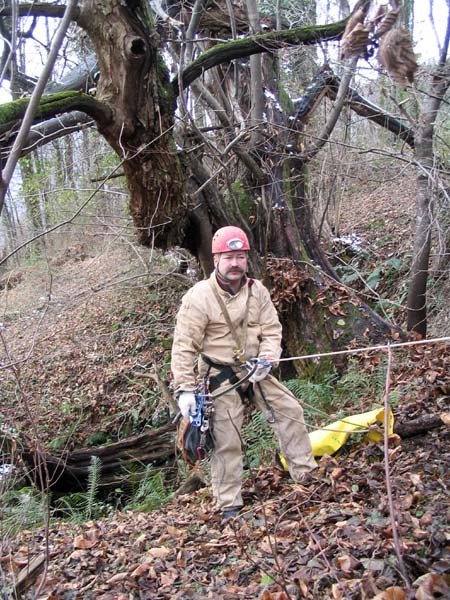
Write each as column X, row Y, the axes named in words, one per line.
column 50, row 130
column 34, row 102
column 341, row 95
column 365, row 108
column 37, row 9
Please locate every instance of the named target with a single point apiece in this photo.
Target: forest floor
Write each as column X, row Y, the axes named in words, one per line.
column 89, row 334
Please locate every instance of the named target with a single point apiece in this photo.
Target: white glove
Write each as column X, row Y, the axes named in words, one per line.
column 187, row 404
column 262, row 371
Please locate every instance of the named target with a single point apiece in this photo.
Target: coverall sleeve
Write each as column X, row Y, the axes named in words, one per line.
column 271, row 331
column 188, row 337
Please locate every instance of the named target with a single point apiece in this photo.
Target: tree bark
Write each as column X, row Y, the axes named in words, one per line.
column 134, row 82
column 417, row 288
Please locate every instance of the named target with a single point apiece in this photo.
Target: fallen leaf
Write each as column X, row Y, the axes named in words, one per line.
column 83, row 542
column 139, row 541
column 445, row 418
column 77, row 554
column 391, row 593
column 346, row 563
column 160, row 552
column 431, row 586
column 141, row 569
column 118, row 577
column 169, row 577
column 174, row 531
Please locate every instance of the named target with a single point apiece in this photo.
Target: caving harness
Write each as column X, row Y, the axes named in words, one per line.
column 198, row 435
column 239, row 340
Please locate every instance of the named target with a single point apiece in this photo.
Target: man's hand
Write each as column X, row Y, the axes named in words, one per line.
column 187, row 404
column 262, row 370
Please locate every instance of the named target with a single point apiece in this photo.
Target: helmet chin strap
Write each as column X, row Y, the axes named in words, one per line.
column 222, row 276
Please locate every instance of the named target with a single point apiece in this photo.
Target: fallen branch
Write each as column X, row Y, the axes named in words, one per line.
column 28, row 575
column 69, row 472
column 417, row 426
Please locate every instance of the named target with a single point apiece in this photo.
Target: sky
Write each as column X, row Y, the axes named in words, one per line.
column 425, row 34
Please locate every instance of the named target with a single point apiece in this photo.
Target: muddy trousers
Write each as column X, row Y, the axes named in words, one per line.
column 289, row 428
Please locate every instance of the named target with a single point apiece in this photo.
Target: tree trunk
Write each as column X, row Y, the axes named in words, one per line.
column 417, row 288
column 426, row 180
column 134, row 82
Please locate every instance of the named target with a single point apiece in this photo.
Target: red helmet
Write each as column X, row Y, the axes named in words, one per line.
column 228, row 239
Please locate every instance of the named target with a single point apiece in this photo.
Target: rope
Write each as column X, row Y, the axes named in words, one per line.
column 366, row 349
column 351, row 351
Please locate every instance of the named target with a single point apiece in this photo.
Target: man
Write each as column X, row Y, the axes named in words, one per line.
column 224, row 321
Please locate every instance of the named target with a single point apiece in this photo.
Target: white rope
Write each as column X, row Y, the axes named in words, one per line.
column 366, row 349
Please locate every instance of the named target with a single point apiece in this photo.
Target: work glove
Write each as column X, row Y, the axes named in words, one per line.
column 262, row 370
column 187, row 404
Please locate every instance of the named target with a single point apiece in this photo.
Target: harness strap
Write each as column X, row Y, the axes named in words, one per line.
column 226, row 373
column 239, row 340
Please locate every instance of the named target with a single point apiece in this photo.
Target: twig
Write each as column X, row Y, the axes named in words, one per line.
column 395, row 536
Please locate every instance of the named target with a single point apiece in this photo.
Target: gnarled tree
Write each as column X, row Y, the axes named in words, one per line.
column 183, row 181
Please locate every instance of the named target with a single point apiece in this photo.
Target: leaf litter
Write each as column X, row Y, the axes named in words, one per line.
column 330, row 538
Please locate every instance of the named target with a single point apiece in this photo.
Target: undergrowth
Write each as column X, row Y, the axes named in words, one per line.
column 151, row 492
column 331, row 398
column 258, row 440
column 335, row 396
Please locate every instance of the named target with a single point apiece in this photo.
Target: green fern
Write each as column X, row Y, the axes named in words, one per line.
column 357, row 389
column 258, row 439
column 318, row 399
column 93, row 485
column 82, row 506
column 151, row 492
column 22, row 509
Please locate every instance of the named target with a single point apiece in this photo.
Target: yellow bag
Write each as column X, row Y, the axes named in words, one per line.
column 332, row 437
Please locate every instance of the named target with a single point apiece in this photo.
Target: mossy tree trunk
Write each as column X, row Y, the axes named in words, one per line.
column 134, row 82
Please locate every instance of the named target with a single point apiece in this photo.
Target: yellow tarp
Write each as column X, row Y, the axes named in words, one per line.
column 332, row 437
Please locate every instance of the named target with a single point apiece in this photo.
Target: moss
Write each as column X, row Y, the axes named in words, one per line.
column 287, row 183
column 52, row 105
column 146, row 15
column 266, row 42
column 164, row 86
column 11, row 111
column 242, row 198
column 285, row 99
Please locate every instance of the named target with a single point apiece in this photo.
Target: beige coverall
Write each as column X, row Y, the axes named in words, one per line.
column 201, row 328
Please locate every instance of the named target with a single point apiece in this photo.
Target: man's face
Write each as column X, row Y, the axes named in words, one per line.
column 231, row 265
